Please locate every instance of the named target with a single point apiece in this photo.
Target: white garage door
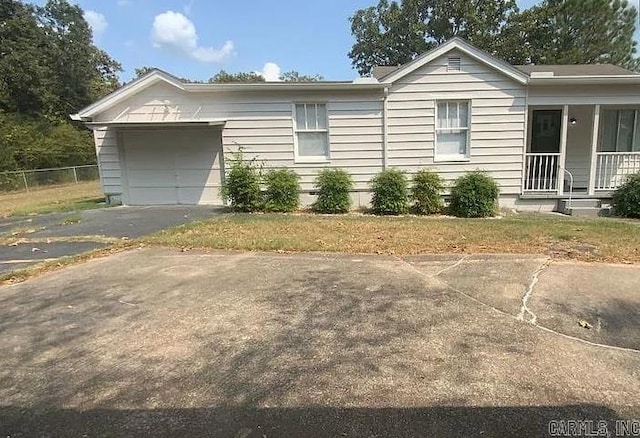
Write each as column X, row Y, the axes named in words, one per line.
column 172, row 166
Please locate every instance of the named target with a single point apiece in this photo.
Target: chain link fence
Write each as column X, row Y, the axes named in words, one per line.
column 27, row 180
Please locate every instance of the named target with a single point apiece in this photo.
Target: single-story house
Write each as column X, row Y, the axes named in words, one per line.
column 542, row 131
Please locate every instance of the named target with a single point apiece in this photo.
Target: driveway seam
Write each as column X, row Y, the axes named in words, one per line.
column 502, row 312
column 529, row 293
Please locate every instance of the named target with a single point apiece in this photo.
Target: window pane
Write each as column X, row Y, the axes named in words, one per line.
column 300, row 117
column 625, row 132
column 313, row 144
column 311, row 116
column 454, row 144
column 322, row 116
column 464, row 114
column 453, row 115
column 442, row 115
column 609, row 129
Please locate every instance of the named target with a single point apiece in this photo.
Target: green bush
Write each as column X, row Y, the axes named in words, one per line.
column 333, row 187
column 241, row 187
column 390, row 192
column 426, row 192
column 282, row 193
column 626, row 200
column 474, row 195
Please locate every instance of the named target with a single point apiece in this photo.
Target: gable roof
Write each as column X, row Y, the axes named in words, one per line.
column 456, row 43
column 577, row 70
column 157, row 75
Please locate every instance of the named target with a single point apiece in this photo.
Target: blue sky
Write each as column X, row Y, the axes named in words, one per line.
column 197, row 38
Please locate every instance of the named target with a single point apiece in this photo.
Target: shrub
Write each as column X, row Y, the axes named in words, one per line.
column 426, row 192
column 626, row 200
column 474, row 195
column 241, row 187
column 390, row 192
column 282, row 193
column 333, row 187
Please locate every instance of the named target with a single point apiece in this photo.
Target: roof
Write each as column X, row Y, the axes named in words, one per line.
column 463, row 46
column 380, row 71
column 577, row 70
column 158, row 75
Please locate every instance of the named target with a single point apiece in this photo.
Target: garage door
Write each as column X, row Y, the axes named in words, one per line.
column 172, row 166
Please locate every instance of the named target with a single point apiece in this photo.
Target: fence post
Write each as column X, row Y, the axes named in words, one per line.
column 24, row 178
column 75, row 175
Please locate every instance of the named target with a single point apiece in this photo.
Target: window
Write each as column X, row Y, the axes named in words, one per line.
column 452, row 130
column 311, row 132
column 620, row 130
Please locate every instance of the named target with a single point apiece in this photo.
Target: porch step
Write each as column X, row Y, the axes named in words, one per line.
column 564, row 205
column 588, row 211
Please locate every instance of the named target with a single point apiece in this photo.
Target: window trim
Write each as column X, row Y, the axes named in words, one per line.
column 634, row 137
column 451, row 158
column 310, row 158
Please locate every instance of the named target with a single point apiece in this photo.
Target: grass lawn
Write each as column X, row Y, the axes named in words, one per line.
column 611, row 240
column 69, row 197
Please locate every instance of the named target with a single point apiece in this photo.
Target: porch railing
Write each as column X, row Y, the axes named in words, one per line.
column 612, row 168
column 541, row 172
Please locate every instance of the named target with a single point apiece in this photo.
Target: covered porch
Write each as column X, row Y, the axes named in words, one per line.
column 580, row 149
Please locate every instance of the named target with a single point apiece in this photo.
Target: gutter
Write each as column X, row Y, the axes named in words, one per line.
column 586, row 80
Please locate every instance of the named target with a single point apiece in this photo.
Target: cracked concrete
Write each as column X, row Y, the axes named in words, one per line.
column 155, row 342
column 527, row 296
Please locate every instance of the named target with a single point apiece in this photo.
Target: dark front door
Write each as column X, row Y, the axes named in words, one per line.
column 545, row 131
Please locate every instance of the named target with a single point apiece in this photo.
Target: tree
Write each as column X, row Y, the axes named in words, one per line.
column 394, row 33
column 142, row 71
column 49, row 66
column 294, row 76
column 573, row 32
column 222, row 77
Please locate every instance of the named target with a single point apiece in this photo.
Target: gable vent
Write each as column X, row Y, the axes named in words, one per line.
column 454, row 63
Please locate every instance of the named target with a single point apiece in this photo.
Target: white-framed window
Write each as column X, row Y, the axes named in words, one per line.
column 452, row 130
column 620, row 130
column 311, row 132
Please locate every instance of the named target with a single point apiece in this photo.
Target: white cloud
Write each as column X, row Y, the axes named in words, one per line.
column 173, row 31
column 97, row 22
column 270, row 72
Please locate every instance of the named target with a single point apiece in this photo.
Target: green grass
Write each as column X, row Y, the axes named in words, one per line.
column 584, row 239
column 63, row 198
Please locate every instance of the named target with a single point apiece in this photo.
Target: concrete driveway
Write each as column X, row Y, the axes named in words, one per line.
column 159, row 343
column 33, row 239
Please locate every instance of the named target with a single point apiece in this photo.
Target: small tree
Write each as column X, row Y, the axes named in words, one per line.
column 241, row 187
column 390, row 192
column 282, row 193
column 474, row 195
column 333, row 187
column 626, row 200
column 426, row 192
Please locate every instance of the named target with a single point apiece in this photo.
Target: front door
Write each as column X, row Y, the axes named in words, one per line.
column 545, row 131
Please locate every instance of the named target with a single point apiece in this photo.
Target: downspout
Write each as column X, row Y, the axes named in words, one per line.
column 526, row 139
column 385, row 133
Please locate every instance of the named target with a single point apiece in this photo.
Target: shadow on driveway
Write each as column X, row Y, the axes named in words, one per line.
column 435, row 421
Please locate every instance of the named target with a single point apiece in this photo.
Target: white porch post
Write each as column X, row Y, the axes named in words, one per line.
column 594, row 150
column 563, row 148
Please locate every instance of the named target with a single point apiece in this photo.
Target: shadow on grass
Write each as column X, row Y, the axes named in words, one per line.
column 437, row 421
column 63, row 207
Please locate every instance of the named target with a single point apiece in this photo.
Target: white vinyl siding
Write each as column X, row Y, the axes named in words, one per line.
column 497, row 114
column 620, row 130
column 452, row 130
column 311, row 142
column 109, row 160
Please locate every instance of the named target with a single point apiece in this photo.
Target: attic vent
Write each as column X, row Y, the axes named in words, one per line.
column 454, row 63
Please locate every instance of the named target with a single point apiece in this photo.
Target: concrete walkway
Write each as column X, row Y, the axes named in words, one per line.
column 160, row 343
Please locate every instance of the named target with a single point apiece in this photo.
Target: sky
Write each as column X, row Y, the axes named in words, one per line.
column 197, row 38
